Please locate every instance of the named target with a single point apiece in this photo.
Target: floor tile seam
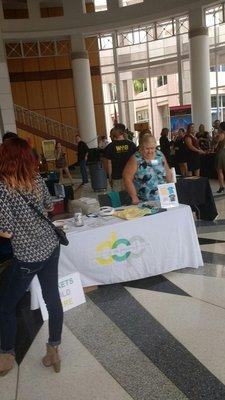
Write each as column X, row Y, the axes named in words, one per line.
column 161, row 365
column 189, row 351
column 98, row 361
column 109, row 369
column 194, row 297
column 17, row 383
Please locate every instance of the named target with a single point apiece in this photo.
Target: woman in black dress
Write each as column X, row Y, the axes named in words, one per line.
column 181, row 152
column 193, row 151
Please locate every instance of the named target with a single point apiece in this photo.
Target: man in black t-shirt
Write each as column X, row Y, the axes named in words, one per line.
column 118, row 153
column 82, row 154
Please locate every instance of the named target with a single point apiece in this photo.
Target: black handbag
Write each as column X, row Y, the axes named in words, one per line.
column 59, row 231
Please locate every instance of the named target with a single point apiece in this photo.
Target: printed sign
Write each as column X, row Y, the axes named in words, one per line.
column 168, row 195
column 70, row 289
column 48, row 147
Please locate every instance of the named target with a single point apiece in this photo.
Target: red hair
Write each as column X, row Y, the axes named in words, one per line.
column 18, row 167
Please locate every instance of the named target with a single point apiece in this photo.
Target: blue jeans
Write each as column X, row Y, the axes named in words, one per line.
column 83, row 170
column 17, row 282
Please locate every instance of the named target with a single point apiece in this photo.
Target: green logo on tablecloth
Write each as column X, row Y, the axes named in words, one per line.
column 119, row 250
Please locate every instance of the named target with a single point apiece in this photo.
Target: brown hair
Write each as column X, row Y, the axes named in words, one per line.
column 18, row 166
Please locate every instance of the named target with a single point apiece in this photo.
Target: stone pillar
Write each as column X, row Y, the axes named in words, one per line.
column 7, row 119
column 200, row 72
column 83, row 94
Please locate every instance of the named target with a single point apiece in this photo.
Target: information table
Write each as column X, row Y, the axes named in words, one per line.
column 110, row 250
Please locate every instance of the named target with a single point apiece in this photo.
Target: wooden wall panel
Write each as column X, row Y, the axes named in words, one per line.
column 63, row 62
column 53, row 113
column 97, row 89
column 15, row 65
column 40, row 111
column 71, row 156
column 100, row 119
column 47, row 64
column 34, row 95
column 19, row 94
column 92, row 48
column 55, row 97
column 50, row 94
column 30, row 64
column 66, row 93
column 69, row 116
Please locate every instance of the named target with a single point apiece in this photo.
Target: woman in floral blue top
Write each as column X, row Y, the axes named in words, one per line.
column 145, row 170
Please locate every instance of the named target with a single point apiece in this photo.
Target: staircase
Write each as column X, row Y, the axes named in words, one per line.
column 47, row 128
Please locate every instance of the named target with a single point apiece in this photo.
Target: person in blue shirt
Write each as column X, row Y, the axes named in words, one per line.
column 145, row 170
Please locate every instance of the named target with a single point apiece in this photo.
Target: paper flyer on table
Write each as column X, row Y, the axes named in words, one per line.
column 168, row 195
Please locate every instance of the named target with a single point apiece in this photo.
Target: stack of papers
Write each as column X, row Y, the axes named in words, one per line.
column 132, row 212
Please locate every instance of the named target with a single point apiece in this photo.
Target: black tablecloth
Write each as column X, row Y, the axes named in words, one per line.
column 197, row 193
column 208, row 166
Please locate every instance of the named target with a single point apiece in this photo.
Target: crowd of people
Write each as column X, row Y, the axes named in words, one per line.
column 186, row 150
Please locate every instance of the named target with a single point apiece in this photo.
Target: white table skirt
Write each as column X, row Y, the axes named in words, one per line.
column 123, row 250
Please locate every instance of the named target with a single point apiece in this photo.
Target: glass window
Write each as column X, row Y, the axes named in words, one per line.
column 214, row 16
column 15, row 10
column 142, row 73
column 100, row 5
column 142, row 115
column 125, row 3
column 140, row 85
column 161, row 80
column 47, row 10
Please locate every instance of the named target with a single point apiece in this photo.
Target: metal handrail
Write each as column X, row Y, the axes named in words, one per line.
column 45, row 124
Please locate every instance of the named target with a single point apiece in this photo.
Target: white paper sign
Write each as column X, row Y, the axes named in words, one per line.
column 168, row 195
column 70, row 289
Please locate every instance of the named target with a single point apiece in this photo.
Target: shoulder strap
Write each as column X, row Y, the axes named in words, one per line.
column 38, row 212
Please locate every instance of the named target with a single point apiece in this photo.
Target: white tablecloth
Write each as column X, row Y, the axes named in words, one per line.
column 109, row 250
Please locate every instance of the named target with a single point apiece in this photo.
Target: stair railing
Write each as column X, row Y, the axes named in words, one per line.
column 45, row 124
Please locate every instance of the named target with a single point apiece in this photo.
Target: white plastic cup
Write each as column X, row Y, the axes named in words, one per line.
column 78, row 219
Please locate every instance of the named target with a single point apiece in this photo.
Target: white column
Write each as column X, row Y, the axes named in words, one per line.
column 200, row 77
column 7, row 118
column 84, row 96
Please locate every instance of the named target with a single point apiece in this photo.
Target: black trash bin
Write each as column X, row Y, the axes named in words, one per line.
column 98, row 176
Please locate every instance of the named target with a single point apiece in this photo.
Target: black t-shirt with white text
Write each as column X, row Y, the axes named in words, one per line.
column 119, row 152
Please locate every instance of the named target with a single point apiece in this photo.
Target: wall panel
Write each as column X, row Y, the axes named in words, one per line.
column 65, row 92
column 34, row 95
column 46, row 63
column 15, row 65
column 97, row 89
column 50, row 94
column 53, row 113
column 100, row 119
column 62, row 62
column 19, row 94
column 69, row 116
column 30, row 64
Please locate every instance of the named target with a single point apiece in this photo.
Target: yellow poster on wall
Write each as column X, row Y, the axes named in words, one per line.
column 48, row 147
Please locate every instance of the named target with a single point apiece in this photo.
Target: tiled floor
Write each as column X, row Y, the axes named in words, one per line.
column 160, row 338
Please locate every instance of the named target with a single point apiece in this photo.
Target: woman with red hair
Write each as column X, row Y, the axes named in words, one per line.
column 35, row 248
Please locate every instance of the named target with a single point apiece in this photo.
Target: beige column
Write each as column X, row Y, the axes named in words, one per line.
column 200, row 72
column 83, row 94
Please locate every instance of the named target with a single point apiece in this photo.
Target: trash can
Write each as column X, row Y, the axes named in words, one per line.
column 98, row 176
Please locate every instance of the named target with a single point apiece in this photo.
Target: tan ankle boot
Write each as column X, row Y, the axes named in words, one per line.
column 6, row 363
column 52, row 358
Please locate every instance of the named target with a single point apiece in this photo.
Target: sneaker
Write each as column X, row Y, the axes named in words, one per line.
column 220, row 190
